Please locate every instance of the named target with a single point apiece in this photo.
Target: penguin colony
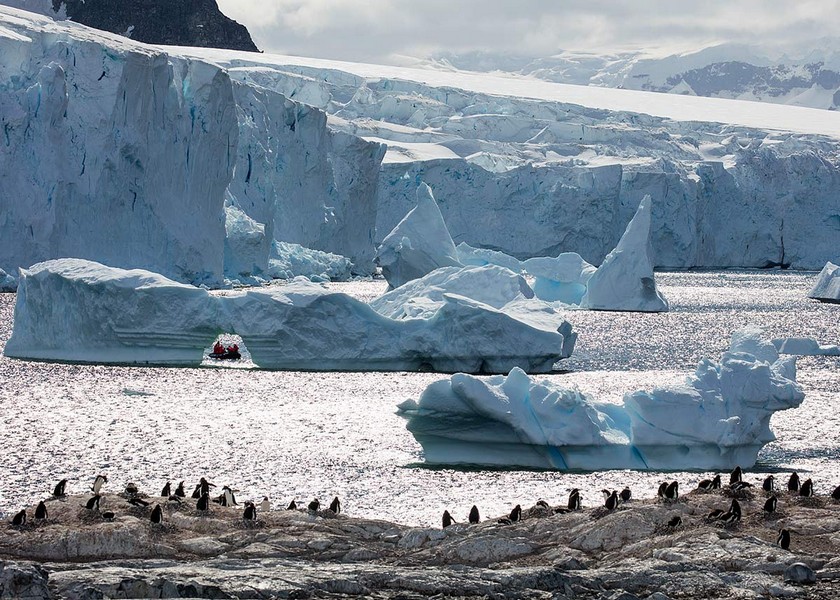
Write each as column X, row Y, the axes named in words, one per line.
column 132, row 496
column 668, row 492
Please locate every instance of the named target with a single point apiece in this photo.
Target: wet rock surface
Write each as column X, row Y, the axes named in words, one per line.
column 626, row 553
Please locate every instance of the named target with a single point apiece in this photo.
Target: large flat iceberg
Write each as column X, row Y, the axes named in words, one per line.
column 718, row 419
column 111, row 315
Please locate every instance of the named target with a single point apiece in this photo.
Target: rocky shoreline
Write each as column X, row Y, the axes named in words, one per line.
column 627, row 553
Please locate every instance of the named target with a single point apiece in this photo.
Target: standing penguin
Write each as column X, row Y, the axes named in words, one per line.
column 98, row 483
column 770, row 505
column 736, row 475
column 626, row 494
column 19, row 519
column 769, row 484
column 672, row 491
column 807, row 488
column 58, row 490
column 250, row 513
column 166, row 491
column 793, row 482
column 179, row 491
column 516, row 514
column 574, row 499
column 41, row 511
column 203, row 502
column 783, row 540
column 314, row 505
column 230, row 499
column 292, row 505
column 663, row 487
column 474, row 517
column 265, row 505
column 447, row 519
column 157, row 515
column 335, row 505
column 611, row 503
column 93, row 503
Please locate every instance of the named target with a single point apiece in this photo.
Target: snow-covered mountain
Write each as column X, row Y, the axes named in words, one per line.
column 181, row 23
column 796, row 76
column 197, row 162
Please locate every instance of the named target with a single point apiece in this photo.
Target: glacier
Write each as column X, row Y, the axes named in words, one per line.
column 136, row 317
column 827, row 286
column 195, row 163
column 718, row 419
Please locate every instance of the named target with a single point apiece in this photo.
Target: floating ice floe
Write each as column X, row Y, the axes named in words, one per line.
column 802, row 346
column 115, row 316
column 719, row 418
column 418, row 245
column 625, row 280
column 827, row 286
column 7, row 282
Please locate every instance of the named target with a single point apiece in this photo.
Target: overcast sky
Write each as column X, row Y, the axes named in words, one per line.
column 380, row 30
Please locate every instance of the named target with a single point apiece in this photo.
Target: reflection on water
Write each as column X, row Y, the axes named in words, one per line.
column 301, row 435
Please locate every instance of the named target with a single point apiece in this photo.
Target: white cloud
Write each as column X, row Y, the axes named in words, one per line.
column 374, row 30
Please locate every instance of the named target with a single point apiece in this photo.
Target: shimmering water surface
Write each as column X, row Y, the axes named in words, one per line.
column 303, row 435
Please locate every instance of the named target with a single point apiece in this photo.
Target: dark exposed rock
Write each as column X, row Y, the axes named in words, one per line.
column 23, row 581
column 182, row 23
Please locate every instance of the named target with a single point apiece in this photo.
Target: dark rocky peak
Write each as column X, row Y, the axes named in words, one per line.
column 175, row 23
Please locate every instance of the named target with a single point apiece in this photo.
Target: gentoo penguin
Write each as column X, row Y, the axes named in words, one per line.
column 662, row 487
column 179, row 491
column 770, row 505
column 736, row 475
column 108, row 515
column 203, row 502
column 93, row 503
column 504, row 521
column 783, row 540
column 793, row 482
column 250, row 513
column 41, row 511
column 447, row 519
column 672, row 491
column 314, row 505
column 735, row 507
column 675, row 521
column 515, row 514
column 166, row 491
column 769, row 484
column 836, row 493
column 734, row 514
column 20, row 518
column 131, row 489
column 542, row 504
column 58, row 491
column 230, row 499
column 204, row 486
column 265, row 505
column 98, row 483
column 335, row 505
column 137, row 502
column 292, row 505
column 626, row 494
column 606, row 493
column 157, row 514
column 740, row 486
column 474, row 516
column 707, row 484
column 807, row 488
column 574, row 499
column 612, row 501
column 174, row 499
column 715, row 514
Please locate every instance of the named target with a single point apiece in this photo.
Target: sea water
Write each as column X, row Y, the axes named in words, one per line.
column 302, row 435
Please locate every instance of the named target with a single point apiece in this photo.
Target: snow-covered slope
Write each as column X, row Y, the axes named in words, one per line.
column 800, row 76
column 188, row 161
column 122, row 152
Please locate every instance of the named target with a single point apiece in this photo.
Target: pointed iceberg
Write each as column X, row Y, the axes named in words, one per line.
column 418, row 245
column 625, row 279
column 827, row 286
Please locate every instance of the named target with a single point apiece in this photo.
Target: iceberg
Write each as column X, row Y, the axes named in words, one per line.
column 625, row 280
column 468, row 255
column 802, row 346
column 717, row 419
column 419, row 244
column 827, row 286
column 7, row 282
column 563, row 278
column 137, row 317
column 288, row 261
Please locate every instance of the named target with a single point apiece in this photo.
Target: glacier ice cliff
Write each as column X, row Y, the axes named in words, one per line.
column 827, row 286
column 118, row 316
column 118, row 151
column 719, row 418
